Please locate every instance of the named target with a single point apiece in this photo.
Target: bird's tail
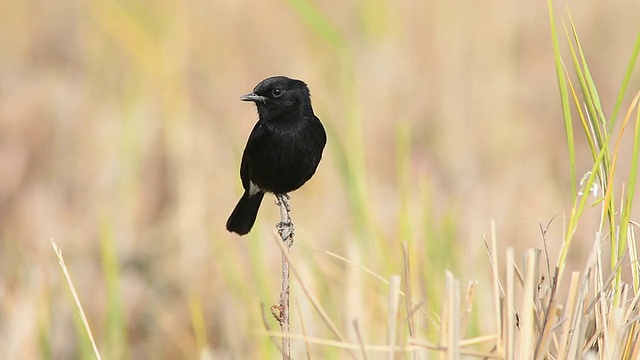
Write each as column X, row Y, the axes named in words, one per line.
column 244, row 214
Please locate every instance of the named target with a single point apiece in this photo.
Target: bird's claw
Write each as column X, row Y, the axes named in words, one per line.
column 285, row 230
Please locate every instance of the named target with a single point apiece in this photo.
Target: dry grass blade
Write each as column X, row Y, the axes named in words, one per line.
column 633, row 259
column 304, row 331
column 347, row 345
column 356, row 329
column 636, row 346
column 498, row 290
column 478, row 340
column 452, row 316
column 347, row 261
column 569, row 311
column 550, row 320
column 463, row 352
column 467, row 309
column 392, row 320
column 527, row 338
column 407, row 288
column 508, row 333
column 76, row 299
column 414, row 306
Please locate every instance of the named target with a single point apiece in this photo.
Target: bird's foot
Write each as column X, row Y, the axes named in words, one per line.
column 285, row 229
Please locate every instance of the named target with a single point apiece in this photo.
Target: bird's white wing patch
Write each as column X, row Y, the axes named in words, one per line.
column 253, row 188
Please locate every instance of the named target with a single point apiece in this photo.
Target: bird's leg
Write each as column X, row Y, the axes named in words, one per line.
column 283, row 199
column 285, row 226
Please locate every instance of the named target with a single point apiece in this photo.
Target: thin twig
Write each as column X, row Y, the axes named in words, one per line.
column 281, row 312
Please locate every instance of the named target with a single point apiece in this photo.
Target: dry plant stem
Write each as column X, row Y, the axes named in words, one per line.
column 76, row 299
column 285, row 229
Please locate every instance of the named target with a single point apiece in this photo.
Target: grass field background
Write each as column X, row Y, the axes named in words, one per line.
column 121, row 134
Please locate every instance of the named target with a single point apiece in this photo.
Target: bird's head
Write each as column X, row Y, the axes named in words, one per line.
column 279, row 94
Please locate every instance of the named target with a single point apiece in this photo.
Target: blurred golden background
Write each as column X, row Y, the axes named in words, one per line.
column 121, row 136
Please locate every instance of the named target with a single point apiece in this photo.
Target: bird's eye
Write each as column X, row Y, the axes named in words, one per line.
column 276, row 92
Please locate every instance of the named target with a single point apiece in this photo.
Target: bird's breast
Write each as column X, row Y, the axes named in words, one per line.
column 285, row 158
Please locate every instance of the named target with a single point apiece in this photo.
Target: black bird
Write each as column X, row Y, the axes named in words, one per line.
column 283, row 150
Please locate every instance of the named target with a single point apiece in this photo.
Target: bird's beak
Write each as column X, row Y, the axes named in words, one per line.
column 252, row 97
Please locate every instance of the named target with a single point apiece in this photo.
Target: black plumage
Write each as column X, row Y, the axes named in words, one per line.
column 283, row 150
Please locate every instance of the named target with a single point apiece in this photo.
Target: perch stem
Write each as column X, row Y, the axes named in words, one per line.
column 286, row 231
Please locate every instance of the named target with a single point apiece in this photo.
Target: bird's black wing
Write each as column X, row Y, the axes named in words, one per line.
column 257, row 134
column 321, row 133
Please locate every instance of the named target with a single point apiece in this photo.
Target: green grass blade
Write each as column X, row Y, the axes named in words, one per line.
column 634, row 159
column 593, row 129
column 590, row 84
column 577, row 209
column 619, row 242
column 583, row 118
column 625, row 81
column 564, row 98
column 600, row 125
column 631, row 183
column 597, row 123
